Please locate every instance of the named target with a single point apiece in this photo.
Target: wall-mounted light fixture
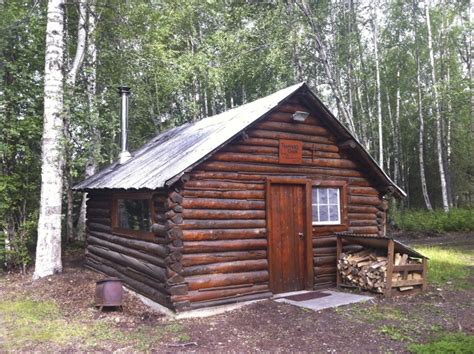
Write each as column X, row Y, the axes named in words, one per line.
column 299, row 116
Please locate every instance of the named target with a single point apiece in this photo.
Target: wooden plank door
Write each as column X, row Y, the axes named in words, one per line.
column 287, row 204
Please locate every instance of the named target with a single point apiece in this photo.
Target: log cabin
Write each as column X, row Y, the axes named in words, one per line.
column 238, row 206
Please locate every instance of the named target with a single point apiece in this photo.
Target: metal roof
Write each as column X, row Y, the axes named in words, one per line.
column 167, row 156
column 379, row 242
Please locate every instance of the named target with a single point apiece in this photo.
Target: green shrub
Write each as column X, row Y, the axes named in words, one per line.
column 449, row 343
column 435, row 221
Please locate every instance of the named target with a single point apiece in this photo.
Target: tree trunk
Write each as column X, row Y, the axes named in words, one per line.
column 81, row 44
column 421, row 120
column 439, row 139
column 48, row 248
column 377, row 81
column 91, row 59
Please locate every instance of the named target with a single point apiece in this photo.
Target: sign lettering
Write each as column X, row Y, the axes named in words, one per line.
column 290, row 152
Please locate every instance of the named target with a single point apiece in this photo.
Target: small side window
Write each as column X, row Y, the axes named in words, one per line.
column 132, row 214
column 326, row 206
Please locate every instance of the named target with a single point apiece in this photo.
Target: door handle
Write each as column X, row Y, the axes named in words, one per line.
column 301, row 235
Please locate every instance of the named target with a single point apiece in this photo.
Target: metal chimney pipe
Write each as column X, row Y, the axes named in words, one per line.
column 124, row 92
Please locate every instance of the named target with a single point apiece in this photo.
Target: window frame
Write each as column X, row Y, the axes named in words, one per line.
column 144, row 235
column 343, row 203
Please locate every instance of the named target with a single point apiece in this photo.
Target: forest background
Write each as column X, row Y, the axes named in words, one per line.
column 397, row 73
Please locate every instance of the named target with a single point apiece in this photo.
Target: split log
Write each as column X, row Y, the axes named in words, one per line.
column 223, row 234
column 223, row 246
column 259, row 133
column 226, row 267
column 293, row 127
column 207, row 203
column 127, row 261
column 209, row 281
column 221, row 166
column 220, row 224
column 232, row 194
column 195, row 296
column 139, row 287
column 224, row 185
column 208, row 258
column 148, row 247
column 127, row 251
column 223, row 214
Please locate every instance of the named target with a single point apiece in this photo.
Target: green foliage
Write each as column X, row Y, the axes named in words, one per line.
column 436, row 221
column 448, row 265
column 459, row 343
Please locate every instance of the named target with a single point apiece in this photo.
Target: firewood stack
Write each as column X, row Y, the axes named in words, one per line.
column 367, row 269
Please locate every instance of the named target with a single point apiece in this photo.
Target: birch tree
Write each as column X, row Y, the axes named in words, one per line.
column 439, row 137
column 48, row 249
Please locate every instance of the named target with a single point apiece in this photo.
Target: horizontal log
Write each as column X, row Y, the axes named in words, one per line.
column 233, row 194
column 307, row 170
column 226, row 267
column 208, row 203
column 209, row 258
column 158, row 261
column 127, row 261
column 230, row 300
column 224, row 246
column 299, row 128
column 361, row 216
column 232, row 177
column 286, row 117
column 328, row 270
column 362, row 209
column 323, row 251
column 195, row 296
column 100, row 220
column 328, row 241
column 259, row 133
column 407, row 282
column 375, row 201
column 222, row 224
column 364, row 191
column 223, row 214
column 224, row 185
column 371, row 222
column 102, row 213
column 209, row 281
column 290, row 108
column 309, row 151
column 328, row 229
column 270, row 159
column 149, row 247
column 223, row 234
column 178, row 289
column 135, row 285
column 322, row 260
column 306, row 145
column 368, row 230
column 99, row 227
column 99, row 204
column 325, row 278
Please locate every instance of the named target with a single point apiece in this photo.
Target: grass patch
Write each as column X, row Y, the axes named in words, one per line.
column 448, row 343
column 434, row 221
column 448, row 265
column 29, row 323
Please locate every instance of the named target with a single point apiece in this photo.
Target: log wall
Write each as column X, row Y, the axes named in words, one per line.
column 224, row 230
column 149, row 265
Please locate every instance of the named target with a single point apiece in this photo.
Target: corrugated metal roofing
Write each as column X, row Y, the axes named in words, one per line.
column 172, row 152
column 380, row 242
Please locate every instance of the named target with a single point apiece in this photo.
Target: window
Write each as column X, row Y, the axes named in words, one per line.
column 326, row 206
column 132, row 214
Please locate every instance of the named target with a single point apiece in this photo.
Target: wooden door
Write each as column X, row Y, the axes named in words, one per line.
column 287, row 204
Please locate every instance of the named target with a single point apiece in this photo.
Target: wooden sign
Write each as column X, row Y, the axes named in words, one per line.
column 290, row 152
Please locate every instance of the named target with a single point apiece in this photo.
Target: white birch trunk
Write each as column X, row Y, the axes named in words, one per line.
column 439, row 138
column 91, row 166
column 48, row 248
column 81, row 44
column 377, row 81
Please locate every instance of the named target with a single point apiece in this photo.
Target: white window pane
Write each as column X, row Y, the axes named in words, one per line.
column 323, row 213
column 333, row 196
column 333, row 213
column 315, row 196
column 323, row 196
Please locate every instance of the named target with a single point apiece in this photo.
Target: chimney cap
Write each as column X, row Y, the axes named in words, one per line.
column 124, row 89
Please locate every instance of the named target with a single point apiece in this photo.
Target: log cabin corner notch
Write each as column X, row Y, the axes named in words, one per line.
column 232, row 214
